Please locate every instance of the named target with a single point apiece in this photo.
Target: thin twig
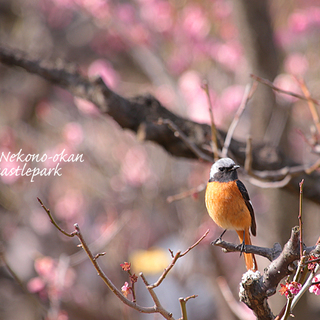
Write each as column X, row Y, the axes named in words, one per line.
column 270, row 184
column 305, row 287
column 183, row 309
column 183, row 302
column 70, row 235
column 300, row 217
column 248, row 160
column 214, row 141
column 311, row 104
column 195, row 244
column 155, row 299
column 249, row 90
column 238, row 309
column 187, row 193
column 93, row 260
column 178, row 133
column 174, row 260
column 290, row 93
column 288, row 308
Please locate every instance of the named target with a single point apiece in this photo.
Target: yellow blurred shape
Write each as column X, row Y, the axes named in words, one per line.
column 151, row 261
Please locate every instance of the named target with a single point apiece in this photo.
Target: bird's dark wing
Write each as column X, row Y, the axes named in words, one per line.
column 246, row 198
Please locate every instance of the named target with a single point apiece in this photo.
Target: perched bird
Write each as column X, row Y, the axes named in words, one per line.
column 228, row 204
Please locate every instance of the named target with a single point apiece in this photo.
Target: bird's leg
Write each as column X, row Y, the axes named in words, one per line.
column 220, row 238
column 243, row 245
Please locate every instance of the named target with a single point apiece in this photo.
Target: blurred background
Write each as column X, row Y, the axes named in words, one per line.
column 118, row 194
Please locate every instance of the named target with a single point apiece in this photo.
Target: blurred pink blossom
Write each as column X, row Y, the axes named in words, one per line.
column 73, row 133
column 222, row 9
column 179, row 60
column 43, row 110
column 104, row 69
column 316, row 287
column 36, row 285
column 228, row 54
column 86, row 106
column 6, row 166
column 296, row 64
column 125, row 12
column 190, row 84
column 165, row 94
column 70, row 206
column 231, row 98
column 58, row 16
column 298, row 21
column 99, row 9
column 158, row 14
column 135, row 167
column 286, row 82
column 55, row 154
column 45, row 267
column 194, row 21
column 139, row 34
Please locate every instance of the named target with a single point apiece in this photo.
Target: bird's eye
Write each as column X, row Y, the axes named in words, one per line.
column 221, row 169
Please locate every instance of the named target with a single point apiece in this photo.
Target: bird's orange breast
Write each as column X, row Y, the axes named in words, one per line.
column 226, row 205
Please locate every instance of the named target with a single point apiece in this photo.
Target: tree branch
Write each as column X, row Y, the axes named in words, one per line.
column 256, row 288
column 145, row 111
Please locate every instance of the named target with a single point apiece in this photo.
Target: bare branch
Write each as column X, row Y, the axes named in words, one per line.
column 184, row 138
column 249, row 90
column 187, row 193
column 93, row 260
column 70, row 235
column 183, row 302
column 174, row 260
column 311, row 104
column 146, row 110
column 214, row 140
column 269, row 253
column 290, row 93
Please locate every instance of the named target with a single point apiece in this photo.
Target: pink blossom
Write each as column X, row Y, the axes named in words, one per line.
column 70, row 205
column 296, row 63
column 125, row 289
column 290, row 288
column 190, row 84
column 231, row 97
column 35, row 285
column 287, row 83
column 316, row 287
column 194, row 22
column 104, row 69
column 45, row 267
column 158, row 14
column 86, row 106
column 229, row 54
column 126, row 13
column 73, row 133
column 222, row 9
column 298, row 21
column 135, row 168
column 7, row 166
column 294, row 287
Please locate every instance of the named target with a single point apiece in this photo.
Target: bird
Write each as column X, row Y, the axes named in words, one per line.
column 229, row 205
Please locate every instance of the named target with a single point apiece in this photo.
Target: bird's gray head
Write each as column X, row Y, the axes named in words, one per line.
column 224, row 170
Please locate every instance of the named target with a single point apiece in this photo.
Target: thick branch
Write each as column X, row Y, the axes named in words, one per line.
column 256, row 288
column 269, row 253
column 141, row 114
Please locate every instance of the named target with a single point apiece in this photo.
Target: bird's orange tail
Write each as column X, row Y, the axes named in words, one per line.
column 249, row 258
